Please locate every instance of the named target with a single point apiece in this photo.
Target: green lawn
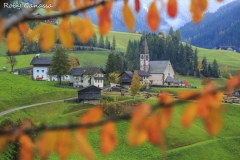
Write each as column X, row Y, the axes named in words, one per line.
column 19, row 90
column 98, row 58
column 193, row 143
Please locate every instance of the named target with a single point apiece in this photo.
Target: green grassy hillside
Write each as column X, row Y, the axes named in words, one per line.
column 19, row 90
column 181, row 144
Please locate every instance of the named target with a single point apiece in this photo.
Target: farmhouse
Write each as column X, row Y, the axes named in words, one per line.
column 86, row 76
column 90, row 94
column 161, row 72
column 41, row 67
column 126, row 77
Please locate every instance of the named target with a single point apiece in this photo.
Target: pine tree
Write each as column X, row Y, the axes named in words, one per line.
column 60, row 64
column 204, row 67
column 114, row 43
column 111, row 63
column 195, row 60
column 101, row 42
column 94, row 40
column 135, row 84
column 106, row 43
column 215, row 70
column 210, row 70
column 118, row 63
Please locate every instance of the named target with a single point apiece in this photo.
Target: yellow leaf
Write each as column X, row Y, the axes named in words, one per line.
column 153, row 18
column 213, row 123
column 33, row 35
column 188, row 115
column 84, row 147
column 46, row 143
column 26, row 148
column 89, row 31
column 108, row 138
column 47, row 37
column 13, row 40
column 65, row 35
column 128, row 17
column 136, row 136
column 23, row 28
column 64, row 144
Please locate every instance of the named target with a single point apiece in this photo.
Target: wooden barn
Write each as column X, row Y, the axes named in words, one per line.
column 90, row 94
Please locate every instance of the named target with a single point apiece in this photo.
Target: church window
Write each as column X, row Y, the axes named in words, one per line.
column 147, row 57
column 169, row 74
column 142, row 57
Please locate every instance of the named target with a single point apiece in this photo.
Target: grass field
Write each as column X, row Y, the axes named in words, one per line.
column 98, row 58
column 181, row 144
column 19, row 90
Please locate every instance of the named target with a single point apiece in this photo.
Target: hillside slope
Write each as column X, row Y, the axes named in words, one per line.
column 216, row 29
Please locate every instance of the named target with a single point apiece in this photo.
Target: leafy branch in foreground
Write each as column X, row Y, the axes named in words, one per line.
column 146, row 123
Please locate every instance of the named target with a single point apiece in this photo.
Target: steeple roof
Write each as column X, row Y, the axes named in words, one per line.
column 144, row 47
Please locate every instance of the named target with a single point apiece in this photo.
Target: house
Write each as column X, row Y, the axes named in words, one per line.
column 126, row 77
column 86, row 76
column 41, row 67
column 90, row 94
column 228, row 48
column 161, row 72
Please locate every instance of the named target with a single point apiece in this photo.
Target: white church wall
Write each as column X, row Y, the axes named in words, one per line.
column 156, row 79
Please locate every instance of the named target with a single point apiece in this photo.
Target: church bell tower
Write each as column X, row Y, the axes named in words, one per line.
column 144, row 56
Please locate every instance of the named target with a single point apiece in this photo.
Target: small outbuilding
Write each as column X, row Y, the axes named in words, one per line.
column 90, row 94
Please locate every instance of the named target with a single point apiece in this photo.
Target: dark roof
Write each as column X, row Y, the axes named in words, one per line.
column 158, row 66
column 91, row 86
column 143, row 73
column 178, row 81
column 41, row 60
column 85, row 70
column 144, row 47
column 169, row 79
column 130, row 73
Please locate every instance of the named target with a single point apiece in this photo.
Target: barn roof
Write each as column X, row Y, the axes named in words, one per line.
column 143, row 73
column 91, row 86
column 158, row 66
column 169, row 79
column 85, row 70
column 41, row 60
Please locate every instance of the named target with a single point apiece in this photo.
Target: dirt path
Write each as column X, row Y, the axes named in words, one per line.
column 32, row 105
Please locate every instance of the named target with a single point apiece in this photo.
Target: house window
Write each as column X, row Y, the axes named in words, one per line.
column 37, row 71
column 98, row 81
column 81, row 81
column 169, row 74
column 42, row 71
column 89, row 81
column 95, row 81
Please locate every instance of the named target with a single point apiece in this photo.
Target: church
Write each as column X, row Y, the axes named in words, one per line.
column 161, row 72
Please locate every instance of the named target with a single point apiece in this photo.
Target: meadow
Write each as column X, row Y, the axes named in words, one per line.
column 18, row 90
column 181, row 144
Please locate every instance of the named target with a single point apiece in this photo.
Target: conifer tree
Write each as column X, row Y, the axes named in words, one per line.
column 215, row 70
column 101, row 42
column 114, row 43
column 111, row 63
column 135, row 84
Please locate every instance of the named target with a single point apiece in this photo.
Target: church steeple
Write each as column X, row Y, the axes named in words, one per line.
column 144, row 55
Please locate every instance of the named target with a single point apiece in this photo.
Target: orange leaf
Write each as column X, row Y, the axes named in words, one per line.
column 98, row 9
column 65, row 35
column 63, row 6
column 172, row 8
column 1, row 29
column 47, row 37
column 77, row 3
column 108, row 138
column 165, row 99
column 48, row 3
column 137, row 5
column 185, row 95
column 89, row 31
column 26, row 148
column 84, row 146
column 188, row 115
column 3, row 142
column 104, row 22
column 13, row 40
column 23, row 28
column 92, row 116
column 153, row 18
column 46, row 143
column 137, row 134
column 202, row 107
column 128, row 17
column 213, row 123
column 64, row 144
column 165, row 117
column 155, row 133
column 197, row 9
